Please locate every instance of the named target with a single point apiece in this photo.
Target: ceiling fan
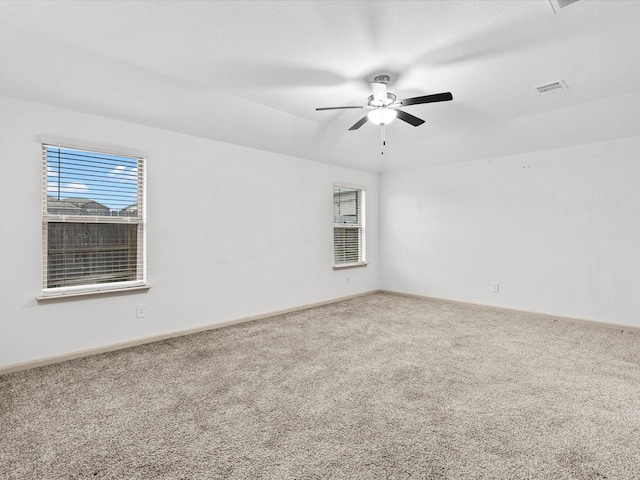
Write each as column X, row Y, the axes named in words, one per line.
column 385, row 107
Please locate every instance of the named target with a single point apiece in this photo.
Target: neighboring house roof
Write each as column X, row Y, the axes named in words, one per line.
column 62, row 206
column 74, row 205
column 131, row 208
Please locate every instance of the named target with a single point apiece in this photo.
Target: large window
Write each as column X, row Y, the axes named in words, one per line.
column 93, row 221
column 348, row 226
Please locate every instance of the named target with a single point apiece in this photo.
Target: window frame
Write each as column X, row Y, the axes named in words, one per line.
column 140, row 281
column 359, row 226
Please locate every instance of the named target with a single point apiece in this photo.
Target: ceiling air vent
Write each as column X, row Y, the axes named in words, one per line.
column 558, row 4
column 552, row 87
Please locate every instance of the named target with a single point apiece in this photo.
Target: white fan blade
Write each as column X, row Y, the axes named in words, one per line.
column 379, row 91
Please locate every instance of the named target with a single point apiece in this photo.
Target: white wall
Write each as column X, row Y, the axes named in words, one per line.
column 559, row 230
column 232, row 232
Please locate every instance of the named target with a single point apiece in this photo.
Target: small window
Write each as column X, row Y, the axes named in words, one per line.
column 348, row 226
column 93, row 227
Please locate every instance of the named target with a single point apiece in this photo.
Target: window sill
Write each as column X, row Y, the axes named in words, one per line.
column 350, row 265
column 93, row 293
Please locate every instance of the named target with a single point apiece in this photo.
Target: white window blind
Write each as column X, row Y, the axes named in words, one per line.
column 348, row 226
column 93, row 220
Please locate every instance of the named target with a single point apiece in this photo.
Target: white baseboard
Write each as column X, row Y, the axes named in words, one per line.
column 615, row 326
column 16, row 367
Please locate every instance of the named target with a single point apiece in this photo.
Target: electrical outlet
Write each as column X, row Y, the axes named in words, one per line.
column 495, row 287
column 141, row 311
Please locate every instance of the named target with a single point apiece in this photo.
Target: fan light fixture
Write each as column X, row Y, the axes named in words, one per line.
column 382, row 116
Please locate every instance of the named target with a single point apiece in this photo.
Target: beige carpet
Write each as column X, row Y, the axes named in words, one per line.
column 376, row 387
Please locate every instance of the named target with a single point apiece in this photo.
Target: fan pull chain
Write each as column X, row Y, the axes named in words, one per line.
column 384, row 142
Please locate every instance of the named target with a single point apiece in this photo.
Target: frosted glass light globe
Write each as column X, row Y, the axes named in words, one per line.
column 382, row 116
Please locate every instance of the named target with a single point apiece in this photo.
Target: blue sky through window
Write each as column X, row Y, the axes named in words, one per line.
column 109, row 180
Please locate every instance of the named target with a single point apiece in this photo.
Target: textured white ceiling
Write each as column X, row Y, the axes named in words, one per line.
column 252, row 73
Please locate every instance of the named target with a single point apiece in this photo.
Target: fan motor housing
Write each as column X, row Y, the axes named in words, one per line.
column 372, row 102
